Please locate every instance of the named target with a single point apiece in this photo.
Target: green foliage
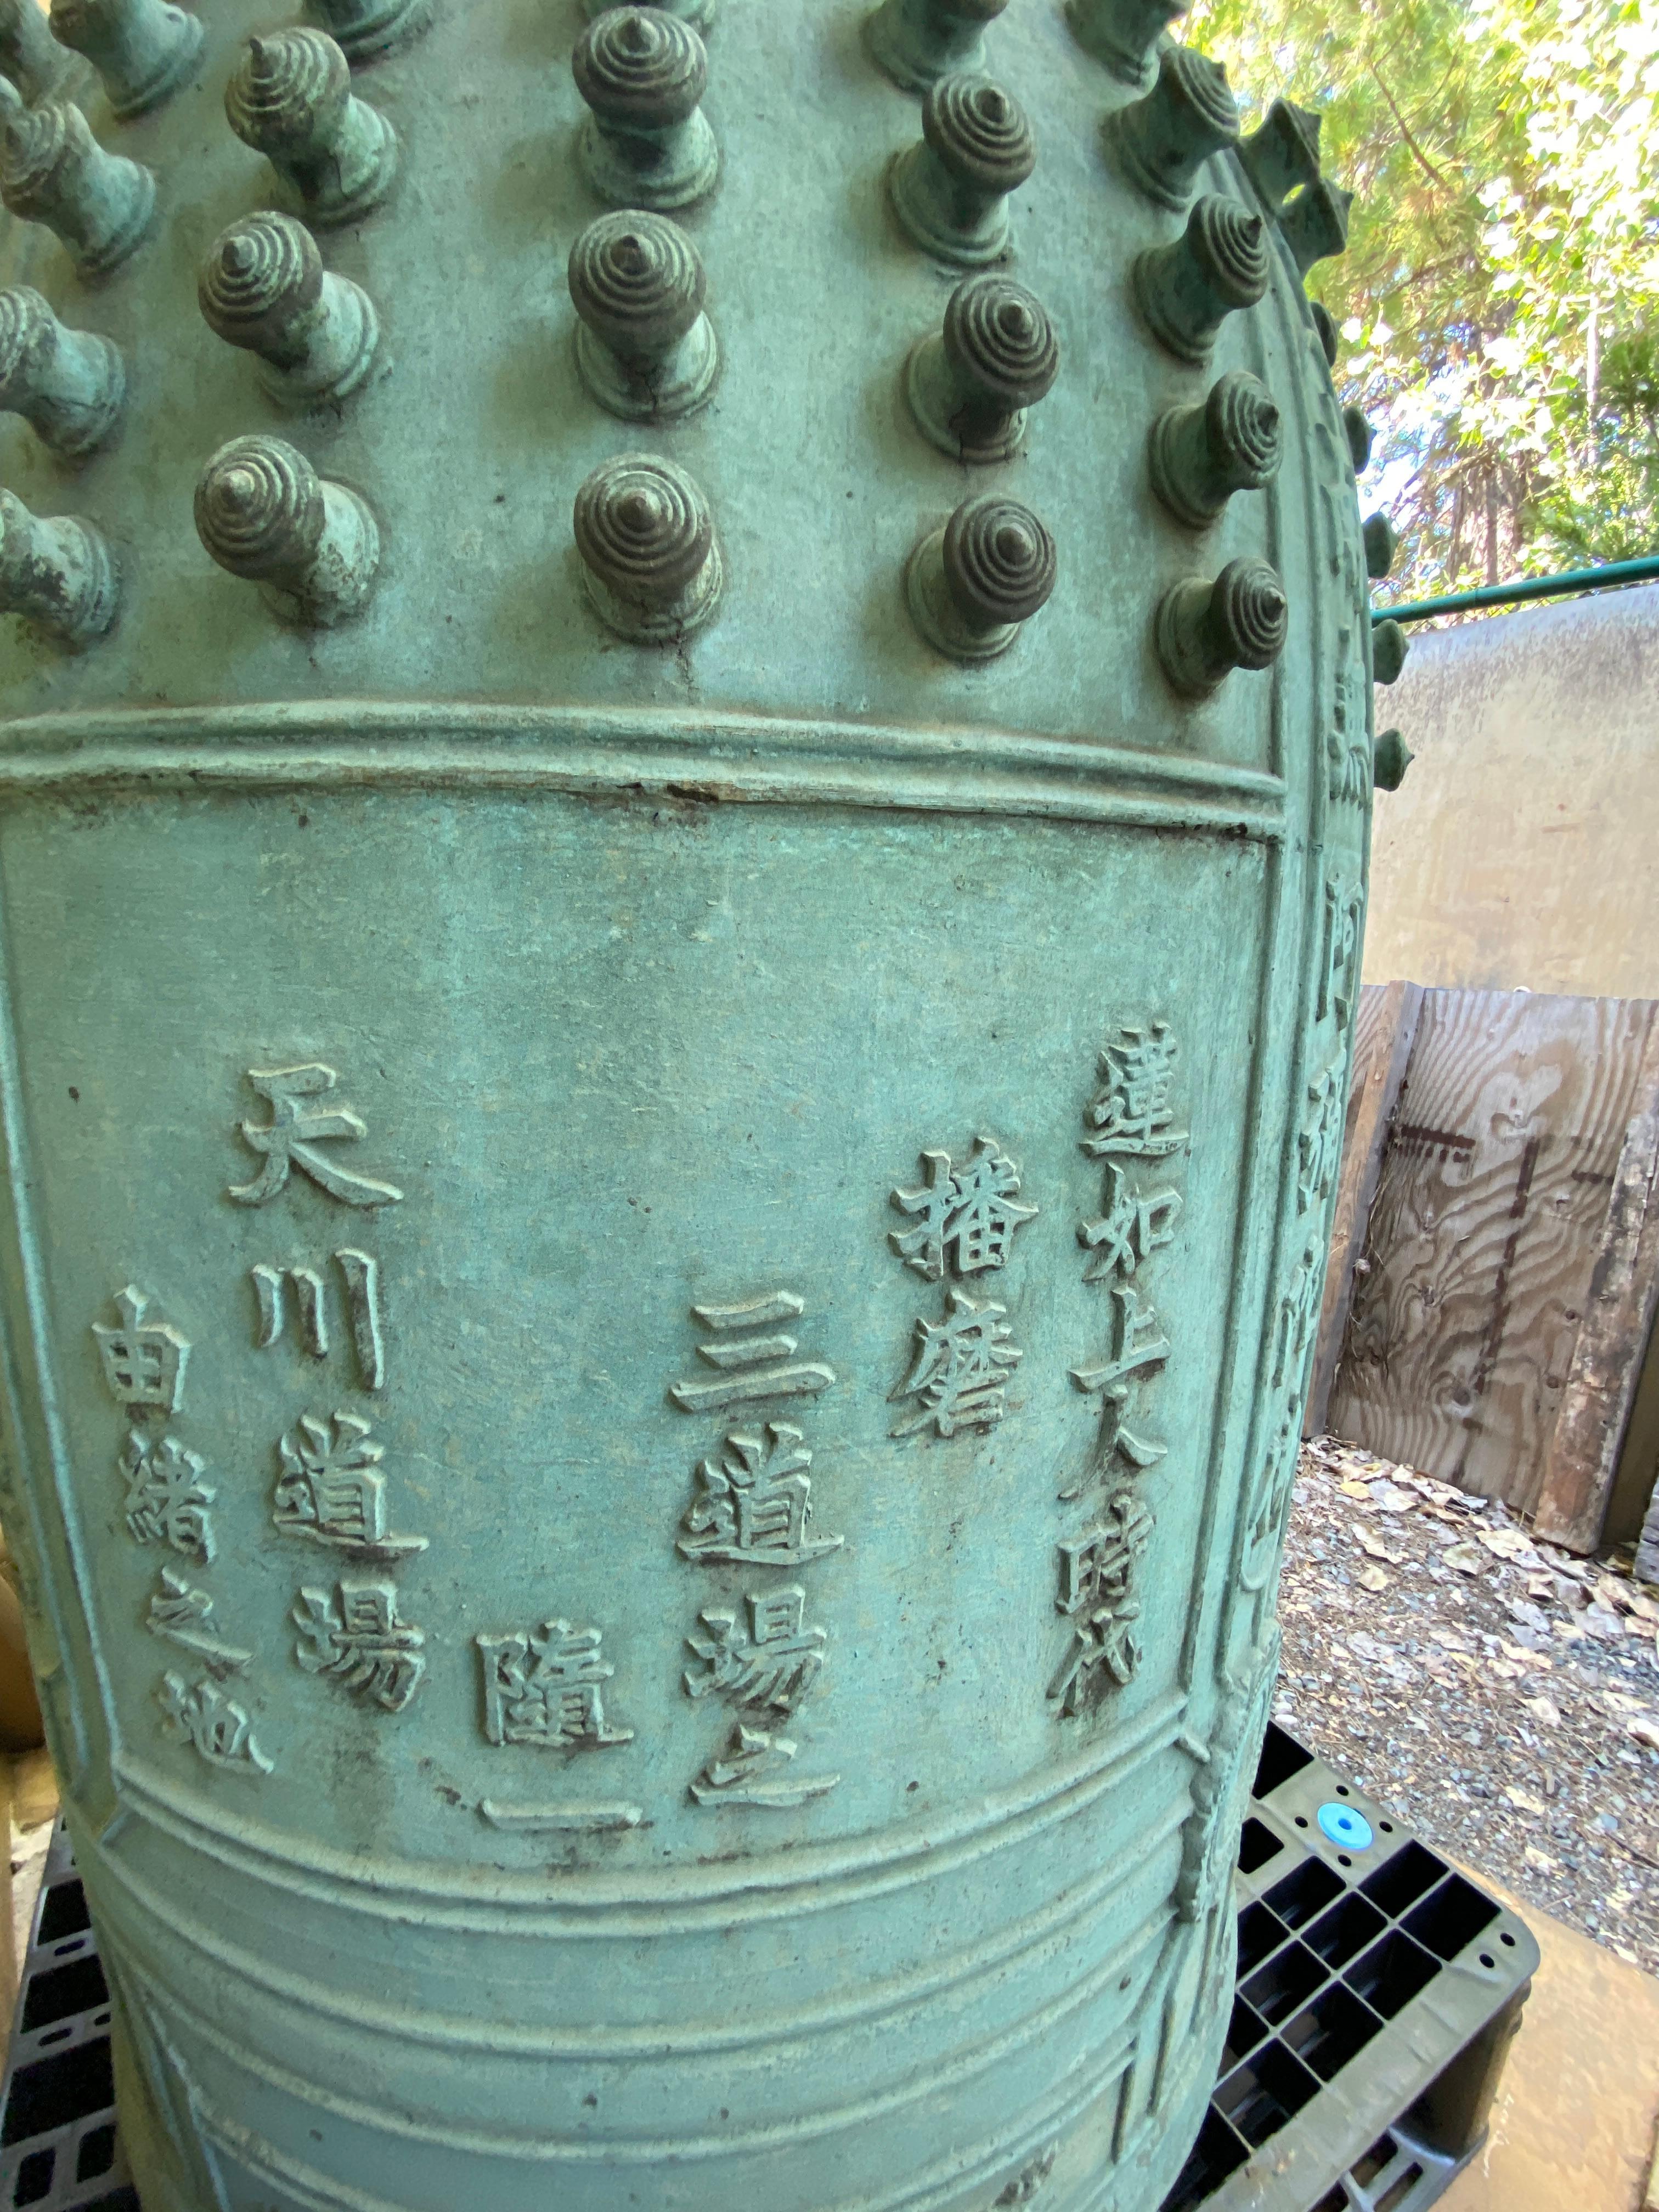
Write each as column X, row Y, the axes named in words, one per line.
column 1499, row 299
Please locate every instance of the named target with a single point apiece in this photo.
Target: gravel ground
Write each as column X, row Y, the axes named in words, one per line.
column 1499, row 1696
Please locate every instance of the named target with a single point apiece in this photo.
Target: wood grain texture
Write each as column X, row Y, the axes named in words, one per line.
column 1583, row 1459
column 1385, row 1029
column 1490, row 1210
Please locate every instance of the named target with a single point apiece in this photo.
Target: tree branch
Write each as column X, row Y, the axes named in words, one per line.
column 1417, row 153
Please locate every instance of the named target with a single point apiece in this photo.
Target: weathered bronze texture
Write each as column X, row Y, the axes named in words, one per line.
column 69, row 385
column 683, row 846
column 143, row 50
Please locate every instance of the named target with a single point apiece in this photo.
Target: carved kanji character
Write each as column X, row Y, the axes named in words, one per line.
column 1101, row 1565
column 756, row 1359
column 167, row 1500
column 1319, row 1145
column 184, row 1616
column 144, row 1360
column 547, row 1689
column 360, row 1274
column 221, row 1730
column 353, row 1633
column 1104, row 1649
column 1132, row 1229
column 751, row 1770
column 774, row 1662
column 960, row 1371
column 754, row 1503
column 293, row 1133
column 1118, row 1444
column 330, row 1489
column 1131, row 1113
column 970, row 1212
column 1136, row 1343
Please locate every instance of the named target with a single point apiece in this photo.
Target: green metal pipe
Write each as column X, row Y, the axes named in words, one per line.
column 1643, row 571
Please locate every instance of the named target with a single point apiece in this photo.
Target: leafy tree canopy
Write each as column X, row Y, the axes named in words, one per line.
column 1499, row 299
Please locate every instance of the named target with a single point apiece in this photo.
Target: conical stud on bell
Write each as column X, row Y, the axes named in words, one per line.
column 650, row 560
column 700, row 13
column 951, row 189
column 1283, row 153
column 1314, row 223
column 971, row 585
column 1123, row 33
column 54, row 171
column 290, row 99
column 1186, row 290
column 1390, row 645
column 362, row 29
column 1324, row 331
column 311, row 546
column 1390, row 758
column 1203, row 631
column 1381, row 542
column 1360, row 437
column 970, row 384
column 263, row 287
column 1163, row 139
column 143, row 50
column 646, row 142
column 916, row 42
column 56, row 572
column 67, row 385
column 30, row 58
column 645, row 349
column 1199, row 456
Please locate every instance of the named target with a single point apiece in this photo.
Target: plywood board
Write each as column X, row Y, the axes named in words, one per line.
column 1490, row 1210
column 1385, row 1029
column 1583, row 1458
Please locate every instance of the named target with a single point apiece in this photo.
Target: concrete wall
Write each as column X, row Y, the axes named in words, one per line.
column 1519, row 852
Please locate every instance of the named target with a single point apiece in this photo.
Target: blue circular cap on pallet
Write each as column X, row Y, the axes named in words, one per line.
column 1345, row 1826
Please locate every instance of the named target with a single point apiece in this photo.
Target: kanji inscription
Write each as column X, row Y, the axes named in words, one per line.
column 353, row 1633
column 966, row 1214
column 754, row 1502
column 753, row 1357
column 959, row 1374
column 1137, row 1343
column 754, row 1770
column 359, row 1277
column 202, row 1716
column 1134, row 1225
column 546, row 1688
column 296, row 1134
column 167, row 1500
column 1131, row 1114
column 330, row 1489
column 184, row 1615
column 143, row 1360
column 772, row 1660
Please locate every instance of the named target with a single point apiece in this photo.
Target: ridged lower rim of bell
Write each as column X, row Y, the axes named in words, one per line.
column 900, row 49
column 377, row 30
column 667, row 391
column 640, row 69
column 349, row 356
column 660, row 172
column 935, row 400
column 918, row 206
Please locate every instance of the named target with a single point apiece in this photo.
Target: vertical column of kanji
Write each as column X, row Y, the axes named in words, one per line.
column 1131, row 1122
column 752, row 1508
column 329, row 1490
column 169, row 1503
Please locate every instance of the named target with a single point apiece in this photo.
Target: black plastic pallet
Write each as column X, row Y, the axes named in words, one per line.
column 1377, row 1991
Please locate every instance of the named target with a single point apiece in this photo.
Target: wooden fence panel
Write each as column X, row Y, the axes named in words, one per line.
column 1492, row 1207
